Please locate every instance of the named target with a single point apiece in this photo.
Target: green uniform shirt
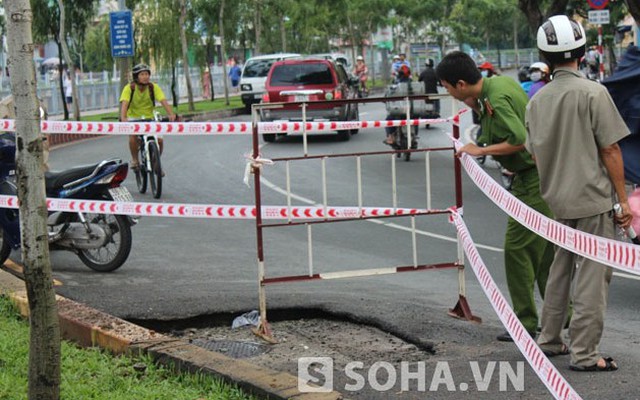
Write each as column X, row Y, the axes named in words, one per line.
column 141, row 105
column 502, row 108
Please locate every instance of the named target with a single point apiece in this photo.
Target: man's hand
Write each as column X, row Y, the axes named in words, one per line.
column 624, row 220
column 172, row 117
column 472, row 149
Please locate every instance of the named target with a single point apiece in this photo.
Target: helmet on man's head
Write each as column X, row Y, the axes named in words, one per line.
column 359, row 58
column 539, row 66
column 486, row 65
column 396, row 57
column 561, row 39
column 139, row 68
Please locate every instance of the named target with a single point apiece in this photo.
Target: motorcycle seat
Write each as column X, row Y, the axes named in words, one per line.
column 55, row 180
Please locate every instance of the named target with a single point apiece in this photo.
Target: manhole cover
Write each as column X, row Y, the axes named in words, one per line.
column 233, row 348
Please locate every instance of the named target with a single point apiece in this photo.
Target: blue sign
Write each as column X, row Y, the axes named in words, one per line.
column 121, row 29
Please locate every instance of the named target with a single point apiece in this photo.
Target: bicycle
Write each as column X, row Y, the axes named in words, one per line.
column 150, row 163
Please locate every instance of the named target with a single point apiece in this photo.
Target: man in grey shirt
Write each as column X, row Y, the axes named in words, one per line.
column 573, row 128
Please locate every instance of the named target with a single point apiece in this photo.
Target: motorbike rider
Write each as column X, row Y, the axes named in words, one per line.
column 403, row 75
column 428, row 76
column 138, row 101
column 539, row 74
column 362, row 72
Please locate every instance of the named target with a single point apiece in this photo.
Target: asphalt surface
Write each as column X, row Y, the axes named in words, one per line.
column 207, row 271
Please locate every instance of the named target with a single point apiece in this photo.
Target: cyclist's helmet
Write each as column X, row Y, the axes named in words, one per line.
column 359, row 58
column 561, row 39
column 542, row 67
column 139, row 68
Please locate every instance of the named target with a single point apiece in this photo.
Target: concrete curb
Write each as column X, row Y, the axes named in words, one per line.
column 90, row 328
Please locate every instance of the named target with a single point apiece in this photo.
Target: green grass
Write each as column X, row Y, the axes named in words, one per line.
column 95, row 374
column 182, row 109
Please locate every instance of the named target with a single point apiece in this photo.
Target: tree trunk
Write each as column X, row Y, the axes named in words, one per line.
column 44, row 333
column 257, row 23
column 283, row 33
column 185, row 61
column 535, row 16
column 634, row 10
column 72, row 70
column 223, row 52
column 515, row 41
column 65, row 109
column 352, row 37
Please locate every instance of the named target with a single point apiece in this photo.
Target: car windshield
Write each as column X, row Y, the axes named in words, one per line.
column 257, row 68
column 301, row 74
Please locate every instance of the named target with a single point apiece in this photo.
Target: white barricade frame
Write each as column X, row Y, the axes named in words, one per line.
column 460, row 310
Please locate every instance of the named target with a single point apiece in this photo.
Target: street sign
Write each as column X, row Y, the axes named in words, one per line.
column 598, row 4
column 121, row 32
column 599, row 17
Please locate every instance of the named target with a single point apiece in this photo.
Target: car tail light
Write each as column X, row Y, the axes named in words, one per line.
column 265, row 97
column 338, row 95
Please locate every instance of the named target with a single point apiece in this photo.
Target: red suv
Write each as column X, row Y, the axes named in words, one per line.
column 309, row 79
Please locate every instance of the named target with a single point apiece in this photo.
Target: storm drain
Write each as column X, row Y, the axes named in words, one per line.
column 232, row 348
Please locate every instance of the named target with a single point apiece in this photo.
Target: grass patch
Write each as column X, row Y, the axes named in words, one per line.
column 182, row 109
column 95, row 374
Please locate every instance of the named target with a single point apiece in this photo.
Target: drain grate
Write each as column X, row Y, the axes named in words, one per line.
column 232, row 348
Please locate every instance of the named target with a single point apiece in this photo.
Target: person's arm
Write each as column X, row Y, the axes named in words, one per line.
column 124, row 106
column 169, row 110
column 498, row 149
column 612, row 159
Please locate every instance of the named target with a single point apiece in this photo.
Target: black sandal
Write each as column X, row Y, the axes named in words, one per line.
column 563, row 351
column 609, row 365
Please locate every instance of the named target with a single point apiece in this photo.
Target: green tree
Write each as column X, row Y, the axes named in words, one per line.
column 44, row 332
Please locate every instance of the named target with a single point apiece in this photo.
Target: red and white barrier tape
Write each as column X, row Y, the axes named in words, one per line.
column 320, row 127
column 210, row 128
column 620, row 255
column 546, row 371
column 213, row 211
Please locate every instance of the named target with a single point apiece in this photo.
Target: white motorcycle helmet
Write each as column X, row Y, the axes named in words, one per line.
column 561, row 39
column 540, row 66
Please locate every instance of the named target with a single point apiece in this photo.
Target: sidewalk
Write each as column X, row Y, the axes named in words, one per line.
column 89, row 328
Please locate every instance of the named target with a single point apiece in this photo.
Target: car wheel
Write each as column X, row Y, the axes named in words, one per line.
column 344, row 136
column 269, row 137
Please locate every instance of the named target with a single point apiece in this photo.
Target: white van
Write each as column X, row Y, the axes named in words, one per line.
column 254, row 75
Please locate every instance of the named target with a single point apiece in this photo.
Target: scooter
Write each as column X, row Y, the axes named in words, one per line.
column 101, row 241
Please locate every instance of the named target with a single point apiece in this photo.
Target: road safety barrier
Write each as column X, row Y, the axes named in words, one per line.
column 214, row 211
column 620, row 255
column 257, row 160
column 212, row 128
column 546, row 371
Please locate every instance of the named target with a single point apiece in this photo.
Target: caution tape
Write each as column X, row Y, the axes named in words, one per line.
column 210, row 128
column 546, row 371
column 620, row 255
column 215, row 211
column 325, row 127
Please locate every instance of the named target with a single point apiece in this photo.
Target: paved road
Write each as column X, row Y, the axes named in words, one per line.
column 185, row 268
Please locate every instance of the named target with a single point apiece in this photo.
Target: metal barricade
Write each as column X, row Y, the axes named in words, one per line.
column 460, row 310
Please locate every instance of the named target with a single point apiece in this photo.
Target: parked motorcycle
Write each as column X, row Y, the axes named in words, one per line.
column 101, row 241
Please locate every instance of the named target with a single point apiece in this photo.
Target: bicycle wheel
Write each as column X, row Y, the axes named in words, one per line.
column 141, row 172
column 155, row 173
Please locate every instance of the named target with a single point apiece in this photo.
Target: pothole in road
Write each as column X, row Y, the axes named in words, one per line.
column 343, row 341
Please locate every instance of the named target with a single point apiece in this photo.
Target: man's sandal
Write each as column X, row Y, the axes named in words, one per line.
column 563, row 351
column 609, row 365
